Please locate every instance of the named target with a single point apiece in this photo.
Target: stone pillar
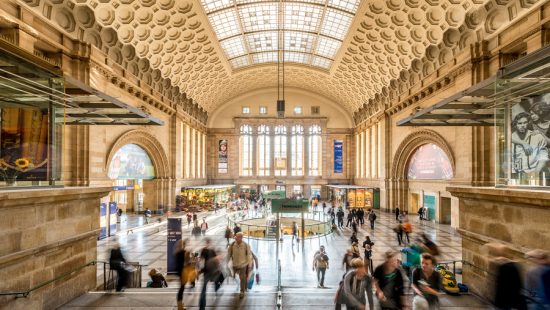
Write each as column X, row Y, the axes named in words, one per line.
column 515, row 217
column 288, row 155
column 45, row 234
column 306, row 153
column 254, row 152
column 272, row 152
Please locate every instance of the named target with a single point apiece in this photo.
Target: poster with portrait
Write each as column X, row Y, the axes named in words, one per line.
column 429, row 162
column 131, row 162
column 530, row 127
column 222, row 156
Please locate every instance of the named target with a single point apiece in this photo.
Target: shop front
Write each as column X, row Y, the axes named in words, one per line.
column 196, row 198
column 354, row 196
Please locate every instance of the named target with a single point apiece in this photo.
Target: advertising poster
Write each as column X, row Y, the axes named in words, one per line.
column 430, row 162
column 222, row 156
column 102, row 221
column 368, row 199
column 530, row 138
column 360, row 198
column 131, row 162
column 173, row 235
column 338, row 156
column 351, row 198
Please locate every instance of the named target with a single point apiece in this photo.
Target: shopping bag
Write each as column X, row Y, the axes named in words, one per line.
column 258, row 278
column 250, row 282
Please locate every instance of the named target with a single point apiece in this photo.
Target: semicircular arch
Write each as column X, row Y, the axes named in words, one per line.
column 150, row 144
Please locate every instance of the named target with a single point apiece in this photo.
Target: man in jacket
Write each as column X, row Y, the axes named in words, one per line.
column 320, row 264
column 240, row 254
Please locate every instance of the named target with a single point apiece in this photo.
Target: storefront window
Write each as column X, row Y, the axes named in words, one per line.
column 31, row 124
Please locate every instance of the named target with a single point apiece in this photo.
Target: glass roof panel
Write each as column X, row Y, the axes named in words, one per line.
column 336, row 24
column 327, row 47
column 304, row 17
column 214, row 5
column 258, row 17
column 225, row 23
column 313, row 29
column 264, row 57
column 234, row 47
column 262, row 41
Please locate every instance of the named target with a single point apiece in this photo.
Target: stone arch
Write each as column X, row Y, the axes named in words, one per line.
column 150, row 144
column 398, row 174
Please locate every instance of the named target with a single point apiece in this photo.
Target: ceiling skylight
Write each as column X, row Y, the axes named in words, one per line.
column 314, row 29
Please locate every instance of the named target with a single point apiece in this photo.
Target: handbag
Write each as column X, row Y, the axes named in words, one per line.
column 258, row 278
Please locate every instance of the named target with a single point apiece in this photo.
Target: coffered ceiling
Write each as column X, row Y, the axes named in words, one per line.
column 345, row 50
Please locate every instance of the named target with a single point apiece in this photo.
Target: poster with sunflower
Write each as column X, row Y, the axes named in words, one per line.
column 23, row 144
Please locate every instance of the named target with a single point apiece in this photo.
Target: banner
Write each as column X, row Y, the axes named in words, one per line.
column 112, row 218
column 222, row 156
column 174, row 235
column 338, row 158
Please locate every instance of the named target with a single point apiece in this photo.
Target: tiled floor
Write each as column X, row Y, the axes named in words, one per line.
column 148, row 246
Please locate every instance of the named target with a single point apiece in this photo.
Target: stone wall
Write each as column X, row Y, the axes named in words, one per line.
column 517, row 218
column 46, row 233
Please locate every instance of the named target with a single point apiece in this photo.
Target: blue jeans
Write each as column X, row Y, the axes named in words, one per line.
column 321, row 276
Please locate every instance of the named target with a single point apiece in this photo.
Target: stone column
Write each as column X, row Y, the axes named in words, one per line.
column 288, row 153
column 306, row 153
column 272, row 151
column 254, row 152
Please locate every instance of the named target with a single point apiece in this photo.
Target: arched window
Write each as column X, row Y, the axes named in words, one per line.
column 246, row 150
column 315, row 152
column 279, row 154
column 264, row 150
column 429, row 162
column 297, row 150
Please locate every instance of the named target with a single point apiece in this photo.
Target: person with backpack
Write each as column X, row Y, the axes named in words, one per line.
column 372, row 218
column 407, row 229
column 353, row 287
column 204, row 227
column 389, row 284
column 320, row 264
column 240, row 254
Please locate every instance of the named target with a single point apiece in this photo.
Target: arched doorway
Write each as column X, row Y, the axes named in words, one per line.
column 422, row 158
column 129, row 168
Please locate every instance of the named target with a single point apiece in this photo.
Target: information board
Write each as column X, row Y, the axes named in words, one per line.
column 102, row 221
column 289, row 205
column 174, row 235
column 274, row 195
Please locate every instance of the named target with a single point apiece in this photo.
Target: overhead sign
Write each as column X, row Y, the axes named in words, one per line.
column 289, row 205
column 174, row 235
column 274, row 195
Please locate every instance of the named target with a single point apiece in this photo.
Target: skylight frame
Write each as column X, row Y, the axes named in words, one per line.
column 314, row 30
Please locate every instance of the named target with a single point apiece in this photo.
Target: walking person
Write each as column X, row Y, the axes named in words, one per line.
column 355, row 285
column 355, row 250
column 426, row 284
column 147, row 215
column 228, row 235
column 340, row 216
column 420, row 213
column 407, row 229
column 354, row 225
column 398, row 229
column 117, row 262
column 397, row 213
column 240, row 254
column 350, row 218
column 372, row 218
column 508, row 281
column 189, row 219
column 346, row 262
column 295, row 232
column 367, row 247
column 181, row 257
column 361, row 216
column 210, row 271
column 388, row 283
column 204, row 227
column 537, row 281
column 320, row 264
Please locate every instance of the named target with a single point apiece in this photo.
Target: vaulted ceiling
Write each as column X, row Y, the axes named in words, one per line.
column 183, row 43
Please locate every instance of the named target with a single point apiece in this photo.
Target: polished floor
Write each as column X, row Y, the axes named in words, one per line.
column 147, row 245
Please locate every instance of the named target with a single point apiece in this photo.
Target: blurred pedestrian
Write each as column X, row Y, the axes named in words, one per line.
column 508, row 281
column 426, row 284
column 537, row 281
column 204, row 227
column 367, row 246
column 147, row 215
column 355, row 250
column 388, row 283
column 346, row 261
column 117, row 262
column 181, row 257
column 407, row 229
column 210, row 271
column 157, row 279
column 397, row 213
column 356, row 284
column 228, row 235
column 240, row 254
column 372, row 218
column 340, row 216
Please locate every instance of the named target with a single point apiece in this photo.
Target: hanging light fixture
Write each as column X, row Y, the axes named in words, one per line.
column 281, row 62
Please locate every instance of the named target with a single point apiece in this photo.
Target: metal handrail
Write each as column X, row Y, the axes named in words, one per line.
column 34, row 288
column 106, row 281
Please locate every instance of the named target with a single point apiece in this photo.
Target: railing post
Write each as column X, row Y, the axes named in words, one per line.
column 104, row 277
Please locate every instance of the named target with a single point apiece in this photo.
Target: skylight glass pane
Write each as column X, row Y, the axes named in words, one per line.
column 347, row 5
column 262, row 42
column 239, row 62
column 264, row 57
column 234, row 47
column 213, row 5
column 257, row 17
column 327, row 47
column 299, row 41
column 225, row 23
column 321, row 62
column 336, row 24
column 297, row 57
column 302, row 17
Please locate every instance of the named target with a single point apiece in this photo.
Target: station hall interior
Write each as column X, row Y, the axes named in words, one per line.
column 150, row 128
